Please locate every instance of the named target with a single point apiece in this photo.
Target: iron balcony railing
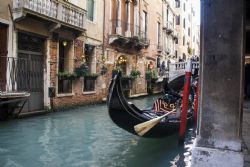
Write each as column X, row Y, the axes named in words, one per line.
column 169, row 27
column 175, row 34
column 54, row 10
column 118, row 27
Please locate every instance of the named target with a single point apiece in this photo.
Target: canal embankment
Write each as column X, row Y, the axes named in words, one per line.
column 245, row 133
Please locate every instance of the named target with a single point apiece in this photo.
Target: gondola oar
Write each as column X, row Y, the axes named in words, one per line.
column 144, row 127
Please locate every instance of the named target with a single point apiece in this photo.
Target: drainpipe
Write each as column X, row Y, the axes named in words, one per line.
column 103, row 27
column 103, row 40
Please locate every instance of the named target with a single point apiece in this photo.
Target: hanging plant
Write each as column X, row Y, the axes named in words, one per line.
column 91, row 76
column 66, row 76
column 127, row 77
column 82, row 70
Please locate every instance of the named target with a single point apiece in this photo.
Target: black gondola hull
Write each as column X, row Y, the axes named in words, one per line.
column 126, row 115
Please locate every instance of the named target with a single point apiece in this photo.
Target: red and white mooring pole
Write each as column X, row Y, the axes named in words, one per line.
column 185, row 100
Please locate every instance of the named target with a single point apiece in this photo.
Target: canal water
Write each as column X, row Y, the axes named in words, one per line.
column 86, row 137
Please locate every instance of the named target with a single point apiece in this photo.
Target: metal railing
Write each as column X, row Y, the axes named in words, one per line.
column 177, row 66
column 169, row 26
column 13, row 70
column 178, row 69
column 175, row 34
column 119, row 27
column 54, row 9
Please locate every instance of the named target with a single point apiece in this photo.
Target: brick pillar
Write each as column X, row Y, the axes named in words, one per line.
column 219, row 130
column 78, row 50
column 53, row 62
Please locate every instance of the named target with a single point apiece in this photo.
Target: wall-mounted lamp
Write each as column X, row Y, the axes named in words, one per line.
column 65, row 43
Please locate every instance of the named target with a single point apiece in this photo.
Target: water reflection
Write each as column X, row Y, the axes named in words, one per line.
column 86, row 137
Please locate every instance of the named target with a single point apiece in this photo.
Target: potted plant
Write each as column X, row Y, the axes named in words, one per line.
column 92, row 76
column 135, row 74
column 82, row 70
column 151, row 77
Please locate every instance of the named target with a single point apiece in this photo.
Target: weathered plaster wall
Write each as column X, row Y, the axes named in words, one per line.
column 4, row 10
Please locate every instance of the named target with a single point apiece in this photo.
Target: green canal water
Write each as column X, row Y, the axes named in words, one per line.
column 86, row 137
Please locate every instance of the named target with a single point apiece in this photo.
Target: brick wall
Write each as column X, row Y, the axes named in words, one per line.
column 77, row 98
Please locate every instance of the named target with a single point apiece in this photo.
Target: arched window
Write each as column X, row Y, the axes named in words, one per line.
column 90, row 9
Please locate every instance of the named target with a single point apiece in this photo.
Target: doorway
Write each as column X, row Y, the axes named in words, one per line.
column 3, row 55
column 30, row 70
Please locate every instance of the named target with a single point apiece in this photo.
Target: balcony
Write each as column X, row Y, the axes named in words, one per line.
column 169, row 27
column 127, row 37
column 175, row 34
column 59, row 12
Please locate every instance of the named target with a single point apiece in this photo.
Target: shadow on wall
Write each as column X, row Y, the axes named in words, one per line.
column 247, row 81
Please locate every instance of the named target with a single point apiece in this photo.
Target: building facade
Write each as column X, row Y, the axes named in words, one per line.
column 127, row 44
column 44, row 43
column 187, row 30
column 64, row 51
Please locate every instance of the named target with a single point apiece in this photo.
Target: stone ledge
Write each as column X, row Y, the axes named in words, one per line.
column 33, row 113
column 88, row 92
column 207, row 157
column 65, row 95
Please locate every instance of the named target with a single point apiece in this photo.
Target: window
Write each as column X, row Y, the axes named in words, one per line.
column 89, row 84
column 176, row 53
column 188, row 31
column 183, row 40
column 184, row 56
column 144, row 25
column 89, row 81
column 178, row 20
column 177, row 3
column 167, row 14
column 176, row 41
column 158, row 33
column 184, row 7
column 90, row 10
column 64, row 84
column 184, row 23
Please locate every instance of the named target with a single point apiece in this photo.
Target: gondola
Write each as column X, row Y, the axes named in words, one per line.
column 126, row 115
